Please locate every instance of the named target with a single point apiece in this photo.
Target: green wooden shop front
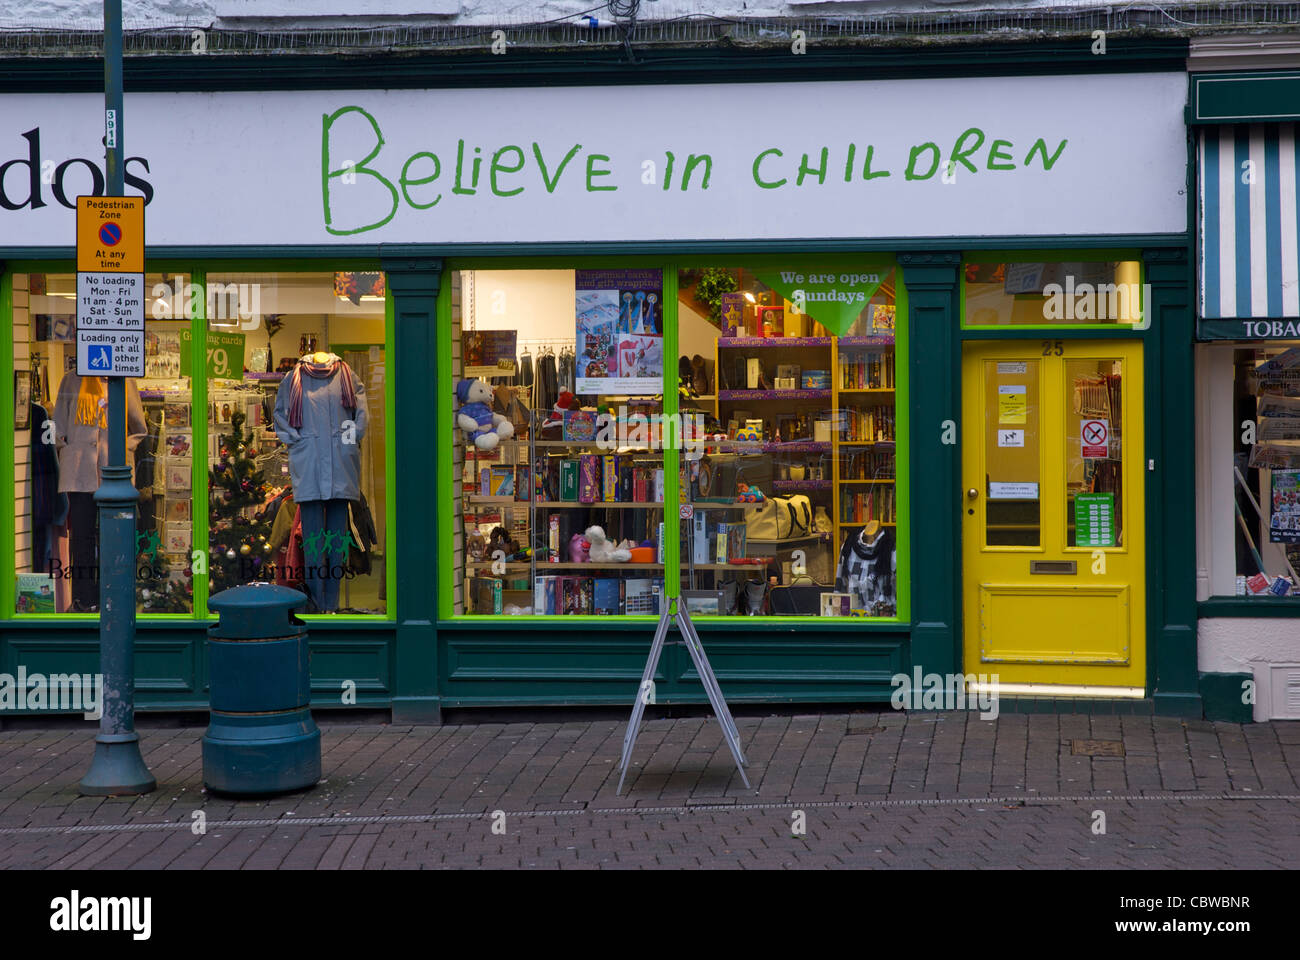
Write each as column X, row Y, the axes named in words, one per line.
column 418, row 661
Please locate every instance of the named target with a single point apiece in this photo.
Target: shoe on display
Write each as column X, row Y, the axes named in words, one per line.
column 730, row 597
column 700, row 376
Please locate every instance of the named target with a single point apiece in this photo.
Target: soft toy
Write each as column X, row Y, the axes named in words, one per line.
column 553, row 425
column 578, row 547
column 602, row 551
column 483, row 427
column 501, row 540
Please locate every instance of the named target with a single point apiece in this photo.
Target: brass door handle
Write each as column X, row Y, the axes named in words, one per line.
column 972, row 493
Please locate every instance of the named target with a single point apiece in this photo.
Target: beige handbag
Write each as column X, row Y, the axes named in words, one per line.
column 780, row 518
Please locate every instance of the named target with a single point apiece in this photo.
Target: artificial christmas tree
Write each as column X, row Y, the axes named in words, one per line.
column 166, row 596
column 155, row 590
column 239, row 552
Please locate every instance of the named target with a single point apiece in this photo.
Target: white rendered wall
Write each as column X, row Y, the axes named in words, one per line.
column 1249, row 645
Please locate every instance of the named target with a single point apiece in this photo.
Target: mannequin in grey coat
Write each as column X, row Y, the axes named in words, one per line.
column 325, row 469
column 82, row 448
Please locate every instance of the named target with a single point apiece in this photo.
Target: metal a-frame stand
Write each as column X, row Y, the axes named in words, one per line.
column 675, row 613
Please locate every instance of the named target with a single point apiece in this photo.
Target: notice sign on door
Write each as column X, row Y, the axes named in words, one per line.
column 1011, row 438
column 110, row 286
column 1013, row 405
column 1094, row 437
column 1094, row 520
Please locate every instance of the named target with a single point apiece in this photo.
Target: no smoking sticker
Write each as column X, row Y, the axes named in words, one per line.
column 1094, row 437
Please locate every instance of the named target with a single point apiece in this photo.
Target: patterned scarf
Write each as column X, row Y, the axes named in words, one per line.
column 92, row 406
column 321, row 371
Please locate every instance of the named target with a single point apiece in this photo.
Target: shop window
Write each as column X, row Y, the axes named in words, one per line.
column 1066, row 293
column 213, row 472
column 1094, row 453
column 296, row 441
column 784, row 477
column 61, row 442
column 1255, row 532
column 794, row 377
column 557, row 513
column 1013, row 507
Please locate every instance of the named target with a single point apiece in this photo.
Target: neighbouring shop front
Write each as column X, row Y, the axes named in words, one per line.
column 883, row 376
column 1248, row 392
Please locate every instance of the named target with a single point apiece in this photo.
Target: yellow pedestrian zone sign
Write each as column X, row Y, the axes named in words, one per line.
column 110, row 234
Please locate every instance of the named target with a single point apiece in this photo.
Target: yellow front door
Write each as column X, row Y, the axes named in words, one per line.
column 1052, row 516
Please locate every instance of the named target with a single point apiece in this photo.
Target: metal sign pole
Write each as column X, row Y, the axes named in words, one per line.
column 118, row 767
column 674, row 613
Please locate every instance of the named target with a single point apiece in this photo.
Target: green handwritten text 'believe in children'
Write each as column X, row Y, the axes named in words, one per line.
column 512, row 169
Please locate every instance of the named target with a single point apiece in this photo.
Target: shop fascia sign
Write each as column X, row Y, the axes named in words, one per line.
column 912, row 158
column 424, row 179
column 1285, row 329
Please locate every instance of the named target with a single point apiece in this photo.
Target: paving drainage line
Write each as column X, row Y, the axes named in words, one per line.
column 390, row 819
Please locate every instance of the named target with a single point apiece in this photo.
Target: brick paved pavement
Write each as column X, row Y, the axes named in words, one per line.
column 875, row 789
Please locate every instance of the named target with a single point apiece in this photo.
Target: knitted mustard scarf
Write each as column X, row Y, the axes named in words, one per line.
column 92, row 402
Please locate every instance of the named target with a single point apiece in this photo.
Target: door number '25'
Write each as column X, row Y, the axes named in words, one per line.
column 1053, row 348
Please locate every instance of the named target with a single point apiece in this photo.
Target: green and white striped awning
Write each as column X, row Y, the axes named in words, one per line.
column 1250, row 219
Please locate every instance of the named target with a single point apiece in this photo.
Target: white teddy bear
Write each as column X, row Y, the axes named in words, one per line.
column 602, row 551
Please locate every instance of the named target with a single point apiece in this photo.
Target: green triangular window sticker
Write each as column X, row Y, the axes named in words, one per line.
column 833, row 298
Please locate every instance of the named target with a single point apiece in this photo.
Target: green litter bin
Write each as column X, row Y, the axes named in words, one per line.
column 261, row 737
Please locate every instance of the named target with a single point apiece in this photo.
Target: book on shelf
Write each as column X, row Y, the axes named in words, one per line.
column 731, row 541
column 609, row 477
column 544, row 594
column 867, row 370
column 34, row 592
column 868, row 424
column 875, row 503
column 485, row 593
column 866, row 465
column 577, row 595
column 569, row 480
column 497, row 481
column 701, row 537
column 589, row 478
column 642, row 595
column 609, row 596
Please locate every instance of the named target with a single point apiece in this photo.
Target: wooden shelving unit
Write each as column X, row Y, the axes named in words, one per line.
column 872, row 390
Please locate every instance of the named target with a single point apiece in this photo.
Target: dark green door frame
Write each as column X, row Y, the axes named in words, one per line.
column 932, row 289
column 1171, row 485
column 414, row 282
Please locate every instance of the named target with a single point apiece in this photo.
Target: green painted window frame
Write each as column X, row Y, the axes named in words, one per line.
column 672, row 567
column 197, row 269
column 1053, row 255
